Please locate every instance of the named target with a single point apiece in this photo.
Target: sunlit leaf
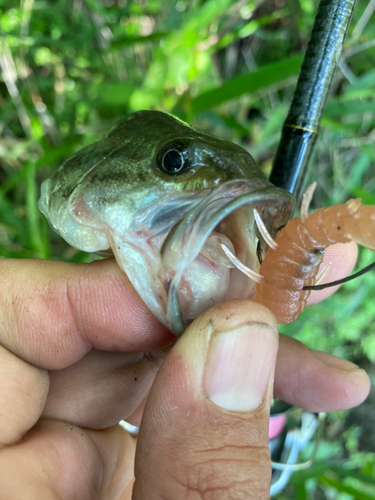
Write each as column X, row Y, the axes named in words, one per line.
column 248, row 83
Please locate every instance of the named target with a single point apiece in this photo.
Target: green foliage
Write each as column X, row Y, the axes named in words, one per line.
column 247, row 83
column 71, row 70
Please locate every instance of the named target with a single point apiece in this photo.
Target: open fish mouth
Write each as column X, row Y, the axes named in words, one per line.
column 175, row 206
column 196, row 270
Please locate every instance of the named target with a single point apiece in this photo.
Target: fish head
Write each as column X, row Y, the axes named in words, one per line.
column 163, row 197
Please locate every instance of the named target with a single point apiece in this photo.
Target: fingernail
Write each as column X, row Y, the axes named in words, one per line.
column 239, row 366
column 334, row 362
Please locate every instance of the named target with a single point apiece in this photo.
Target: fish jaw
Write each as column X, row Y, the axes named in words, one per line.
column 73, row 220
column 196, row 278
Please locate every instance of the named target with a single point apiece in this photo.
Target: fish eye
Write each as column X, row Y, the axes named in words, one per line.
column 172, row 159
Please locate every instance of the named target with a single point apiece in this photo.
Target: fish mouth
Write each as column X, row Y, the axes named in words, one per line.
column 197, row 272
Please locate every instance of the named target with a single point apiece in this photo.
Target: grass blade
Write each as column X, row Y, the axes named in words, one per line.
column 247, row 83
column 343, row 488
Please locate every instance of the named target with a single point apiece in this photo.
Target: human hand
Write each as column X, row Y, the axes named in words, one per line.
column 73, row 364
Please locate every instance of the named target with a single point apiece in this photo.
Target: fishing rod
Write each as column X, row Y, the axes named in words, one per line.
column 301, row 126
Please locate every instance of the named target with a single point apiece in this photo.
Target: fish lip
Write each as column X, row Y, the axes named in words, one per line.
column 194, row 228
column 188, row 236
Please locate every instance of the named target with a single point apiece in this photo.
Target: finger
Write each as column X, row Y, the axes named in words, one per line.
column 204, row 433
column 53, row 313
column 341, row 259
column 313, row 380
column 23, row 392
column 58, row 460
column 317, row 381
column 102, row 388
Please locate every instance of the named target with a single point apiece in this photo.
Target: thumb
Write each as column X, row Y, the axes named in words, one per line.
column 204, row 433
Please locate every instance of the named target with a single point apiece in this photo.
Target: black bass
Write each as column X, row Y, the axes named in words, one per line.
column 164, row 197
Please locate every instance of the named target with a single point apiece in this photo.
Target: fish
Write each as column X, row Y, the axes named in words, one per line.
column 164, row 198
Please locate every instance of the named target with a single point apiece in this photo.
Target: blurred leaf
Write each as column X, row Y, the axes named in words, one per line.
column 114, row 93
column 316, row 470
column 367, row 198
column 52, row 155
column 301, row 493
column 205, row 13
column 248, row 29
column 339, row 107
column 345, row 472
column 14, row 223
column 247, row 83
column 234, row 124
column 359, row 169
column 131, row 40
column 33, row 213
column 363, row 86
column 339, row 486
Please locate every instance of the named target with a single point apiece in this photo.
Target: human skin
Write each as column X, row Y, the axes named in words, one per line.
column 79, row 351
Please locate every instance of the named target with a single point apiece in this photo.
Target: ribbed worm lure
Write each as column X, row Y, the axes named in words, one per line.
column 291, row 264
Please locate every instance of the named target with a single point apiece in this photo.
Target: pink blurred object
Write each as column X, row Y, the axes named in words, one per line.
column 276, row 426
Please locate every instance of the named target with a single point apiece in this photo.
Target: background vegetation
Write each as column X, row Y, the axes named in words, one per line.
column 71, row 69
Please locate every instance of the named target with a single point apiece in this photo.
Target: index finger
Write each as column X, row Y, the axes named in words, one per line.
column 53, row 313
column 339, row 261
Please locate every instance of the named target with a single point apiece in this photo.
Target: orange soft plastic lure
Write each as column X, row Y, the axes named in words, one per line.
column 298, row 250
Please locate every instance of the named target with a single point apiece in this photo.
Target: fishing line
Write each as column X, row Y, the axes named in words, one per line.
column 340, row 282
